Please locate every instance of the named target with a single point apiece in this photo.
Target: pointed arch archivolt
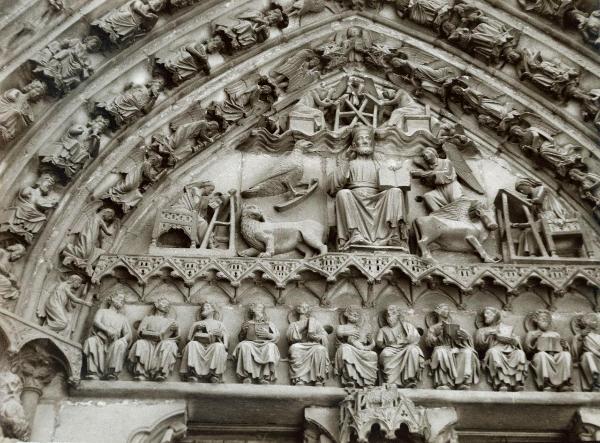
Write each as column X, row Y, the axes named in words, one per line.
column 132, row 64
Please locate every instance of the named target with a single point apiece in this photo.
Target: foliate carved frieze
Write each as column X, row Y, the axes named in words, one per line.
column 332, row 265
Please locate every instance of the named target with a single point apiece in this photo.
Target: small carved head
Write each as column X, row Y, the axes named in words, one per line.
column 490, row 315
column 352, row 314
column 526, row 185
column 513, row 56
column 16, row 251
column 543, row 319
column 92, row 43
column 76, row 281
column 362, row 139
column 207, row 310
column 393, row 315
column 214, row 44
column 45, row 182
column 253, row 212
column 117, row 300
column 353, row 32
column 430, row 155
column 35, row 89
column 442, row 310
column 276, row 16
column 590, row 321
column 156, row 85
column 516, row 132
column 162, row 305
column 303, row 308
column 107, row 214
column 257, row 311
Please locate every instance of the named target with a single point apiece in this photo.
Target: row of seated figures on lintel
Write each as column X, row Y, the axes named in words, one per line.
column 454, row 362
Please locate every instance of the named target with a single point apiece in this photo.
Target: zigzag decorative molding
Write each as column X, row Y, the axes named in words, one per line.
column 373, row 267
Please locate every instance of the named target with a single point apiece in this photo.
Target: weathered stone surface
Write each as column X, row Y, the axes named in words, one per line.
column 409, row 190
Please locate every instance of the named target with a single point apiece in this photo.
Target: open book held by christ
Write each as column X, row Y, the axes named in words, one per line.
column 393, row 178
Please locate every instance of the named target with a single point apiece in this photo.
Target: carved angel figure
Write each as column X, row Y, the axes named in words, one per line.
column 403, row 105
column 298, row 71
column 123, row 25
column 142, row 167
column 246, row 98
column 105, row 349
column 205, row 354
column 440, row 174
column 505, row 361
column 366, row 213
column 250, row 27
column 189, row 60
column 15, row 109
column 9, row 288
column 154, row 353
column 590, row 102
column 538, row 142
column 257, row 354
column 286, row 175
column 590, row 27
column 64, row 65
column 401, row 358
column 551, row 357
column 75, row 148
column 454, row 361
column 91, row 236
column 27, row 215
column 57, row 309
column 355, row 360
column 489, row 39
column 436, row 81
column 424, row 12
column 589, row 185
column 586, row 344
column 133, row 103
column 309, row 359
column 13, row 419
column 552, row 76
column 554, row 9
column 490, row 112
column 545, row 206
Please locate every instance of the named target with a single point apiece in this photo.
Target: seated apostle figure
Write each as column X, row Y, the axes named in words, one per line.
column 205, row 355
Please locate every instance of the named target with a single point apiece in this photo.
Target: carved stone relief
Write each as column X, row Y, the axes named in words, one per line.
column 348, row 166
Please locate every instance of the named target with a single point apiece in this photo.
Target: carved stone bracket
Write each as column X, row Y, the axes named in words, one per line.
column 586, row 425
column 373, row 267
column 386, row 407
column 20, row 332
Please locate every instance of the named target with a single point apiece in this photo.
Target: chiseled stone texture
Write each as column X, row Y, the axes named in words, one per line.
column 335, row 153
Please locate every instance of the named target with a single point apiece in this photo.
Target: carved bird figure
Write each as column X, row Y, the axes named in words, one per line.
column 286, row 175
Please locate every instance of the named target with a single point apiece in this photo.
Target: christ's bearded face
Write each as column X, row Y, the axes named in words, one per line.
column 363, row 143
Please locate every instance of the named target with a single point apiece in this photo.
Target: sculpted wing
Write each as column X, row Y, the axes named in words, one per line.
column 86, row 216
column 288, row 171
column 463, row 170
